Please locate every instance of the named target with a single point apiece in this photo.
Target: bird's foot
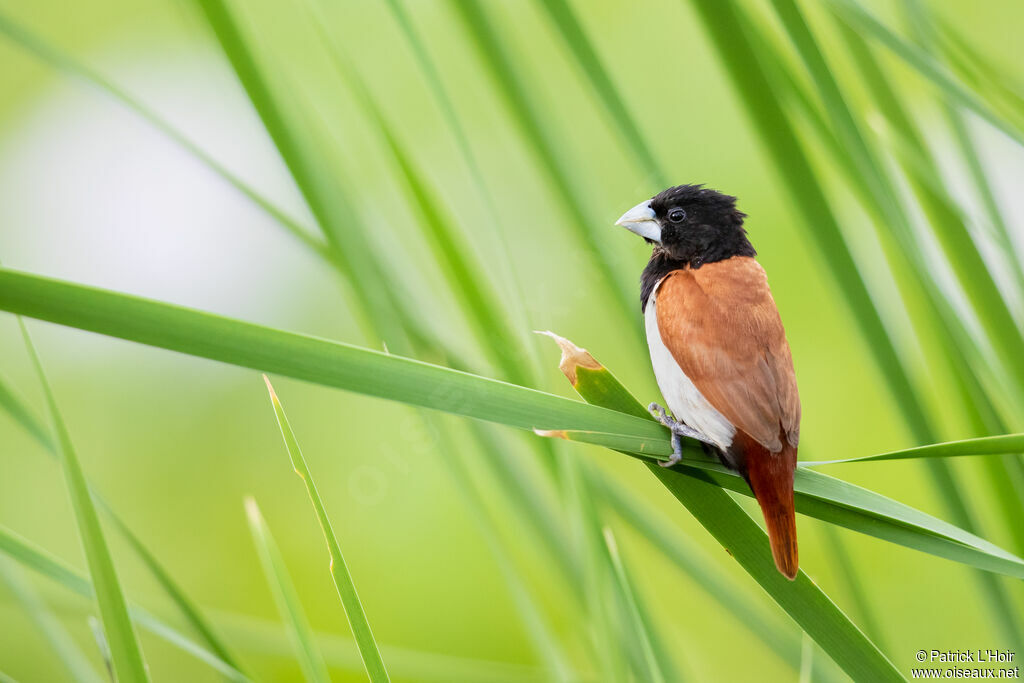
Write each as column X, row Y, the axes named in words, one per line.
column 678, row 430
column 677, row 451
column 661, row 415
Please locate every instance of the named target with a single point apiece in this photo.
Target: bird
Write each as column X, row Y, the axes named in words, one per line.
column 719, row 350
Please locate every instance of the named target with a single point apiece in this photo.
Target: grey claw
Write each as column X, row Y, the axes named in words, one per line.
column 677, row 452
column 661, row 415
column 678, row 429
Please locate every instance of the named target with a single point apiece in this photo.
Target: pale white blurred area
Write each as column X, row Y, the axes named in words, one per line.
column 91, row 192
column 1003, row 165
column 1004, row 162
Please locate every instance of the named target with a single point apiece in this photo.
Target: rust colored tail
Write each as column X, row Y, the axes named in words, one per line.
column 770, row 476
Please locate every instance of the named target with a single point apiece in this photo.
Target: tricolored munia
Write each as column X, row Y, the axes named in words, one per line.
column 718, row 348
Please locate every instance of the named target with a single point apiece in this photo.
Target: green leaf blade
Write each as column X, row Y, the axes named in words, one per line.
column 985, row 445
column 125, row 651
column 43, row 563
column 71, row 657
column 302, row 357
column 744, row 540
column 24, row 416
column 360, row 625
column 310, row 658
column 814, row 611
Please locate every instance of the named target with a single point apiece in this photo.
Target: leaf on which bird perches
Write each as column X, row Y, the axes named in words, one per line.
column 739, row 535
column 817, row 495
column 573, row 357
column 597, row 385
column 594, row 382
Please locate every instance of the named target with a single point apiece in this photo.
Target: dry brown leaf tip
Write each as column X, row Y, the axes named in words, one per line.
column 572, row 356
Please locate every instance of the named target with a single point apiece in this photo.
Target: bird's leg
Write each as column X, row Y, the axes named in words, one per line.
column 676, row 426
column 678, row 430
column 677, row 451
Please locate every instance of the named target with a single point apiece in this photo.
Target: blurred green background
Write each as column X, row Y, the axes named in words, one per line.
column 91, row 192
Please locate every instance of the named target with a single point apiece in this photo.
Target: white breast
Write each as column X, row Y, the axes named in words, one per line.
column 684, row 399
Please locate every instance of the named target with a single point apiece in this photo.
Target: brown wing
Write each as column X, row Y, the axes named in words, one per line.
column 721, row 325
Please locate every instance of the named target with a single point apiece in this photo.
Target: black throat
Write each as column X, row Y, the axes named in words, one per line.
column 662, row 263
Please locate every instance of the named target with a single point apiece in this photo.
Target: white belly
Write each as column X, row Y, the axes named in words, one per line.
column 683, row 398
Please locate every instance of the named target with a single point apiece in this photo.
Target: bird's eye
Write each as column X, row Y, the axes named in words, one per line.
column 677, row 215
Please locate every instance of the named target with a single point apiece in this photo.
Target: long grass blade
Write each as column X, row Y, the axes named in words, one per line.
column 69, row 64
column 816, row 494
column 744, row 540
column 326, row 198
column 721, row 19
column 938, row 204
column 842, row 503
column 605, row 604
column 426, row 208
column 695, row 562
column 430, row 386
column 301, row 357
column 429, row 209
column 545, row 641
column 467, row 282
column 331, row 214
column 23, row 415
column 864, row 21
column 583, row 50
column 451, row 117
column 839, row 502
column 961, row 252
column 655, row 447
column 777, row 133
column 653, row 664
column 491, row 327
column 310, row 659
column 264, row 637
column 357, row 620
column 71, row 657
column 236, row 48
column 986, row 445
column 125, row 651
column 260, row 637
column 807, row 660
column 1007, row 472
column 973, row 67
column 490, row 47
column 45, row 564
column 15, row 406
column 859, row 592
column 816, row 614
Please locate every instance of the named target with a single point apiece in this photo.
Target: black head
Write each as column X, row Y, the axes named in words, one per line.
column 691, row 225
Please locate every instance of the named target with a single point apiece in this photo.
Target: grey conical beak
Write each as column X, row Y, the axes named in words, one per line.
column 640, row 219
